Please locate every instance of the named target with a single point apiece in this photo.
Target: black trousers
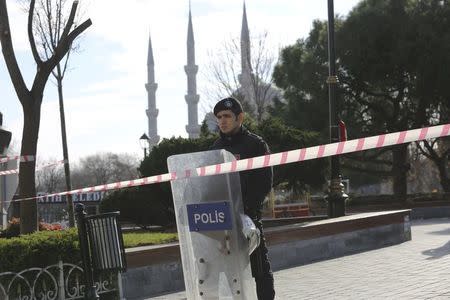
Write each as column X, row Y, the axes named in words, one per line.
column 261, row 269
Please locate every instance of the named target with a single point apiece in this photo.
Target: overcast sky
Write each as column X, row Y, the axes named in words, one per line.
column 105, row 96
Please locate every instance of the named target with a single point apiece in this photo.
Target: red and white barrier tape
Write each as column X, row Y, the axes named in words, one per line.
column 280, row 158
column 24, row 158
column 15, row 171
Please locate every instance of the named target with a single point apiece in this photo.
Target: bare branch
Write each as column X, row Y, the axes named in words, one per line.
column 59, row 19
column 63, row 72
column 48, row 10
column 62, row 49
column 254, row 86
column 9, row 55
column 422, row 151
column 37, row 59
column 433, row 155
column 70, row 20
column 45, row 42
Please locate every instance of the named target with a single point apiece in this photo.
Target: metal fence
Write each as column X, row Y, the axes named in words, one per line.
column 56, row 282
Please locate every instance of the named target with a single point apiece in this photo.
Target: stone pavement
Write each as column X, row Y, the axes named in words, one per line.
column 418, row 269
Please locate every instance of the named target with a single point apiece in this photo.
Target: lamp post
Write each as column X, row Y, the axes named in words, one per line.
column 5, row 139
column 5, row 136
column 144, row 140
column 336, row 196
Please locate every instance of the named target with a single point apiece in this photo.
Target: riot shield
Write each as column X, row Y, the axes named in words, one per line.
column 214, row 251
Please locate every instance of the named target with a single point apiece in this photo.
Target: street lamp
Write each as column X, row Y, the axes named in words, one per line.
column 144, row 140
column 5, row 137
column 336, row 196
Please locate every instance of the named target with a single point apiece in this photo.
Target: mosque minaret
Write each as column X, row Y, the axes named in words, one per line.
column 192, row 98
column 151, row 86
column 246, row 67
column 250, row 85
column 246, row 78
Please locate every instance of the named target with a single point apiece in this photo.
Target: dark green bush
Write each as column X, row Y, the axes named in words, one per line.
column 140, row 206
column 39, row 249
column 153, row 204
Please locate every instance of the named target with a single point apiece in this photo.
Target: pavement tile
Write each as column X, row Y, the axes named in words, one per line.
column 418, row 269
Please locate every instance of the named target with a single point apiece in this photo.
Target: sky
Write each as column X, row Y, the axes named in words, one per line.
column 104, row 89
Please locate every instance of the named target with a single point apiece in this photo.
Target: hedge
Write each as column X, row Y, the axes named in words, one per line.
column 143, row 206
column 39, row 249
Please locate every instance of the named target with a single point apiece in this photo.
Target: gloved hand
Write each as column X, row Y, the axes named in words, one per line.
column 250, row 232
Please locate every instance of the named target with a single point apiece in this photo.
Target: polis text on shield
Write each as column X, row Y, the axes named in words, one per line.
column 209, row 218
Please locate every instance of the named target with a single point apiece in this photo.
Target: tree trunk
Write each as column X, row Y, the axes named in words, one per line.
column 31, row 100
column 443, row 174
column 400, row 167
column 65, row 150
column 27, row 184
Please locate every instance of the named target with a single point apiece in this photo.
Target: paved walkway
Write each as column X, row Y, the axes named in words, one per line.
column 418, row 269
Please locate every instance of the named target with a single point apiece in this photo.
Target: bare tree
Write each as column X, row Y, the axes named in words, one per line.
column 48, row 27
column 223, row 75
column 438, row 150
column 104, row 168
column 49, row 179
column 31, row 99
column 423, row 177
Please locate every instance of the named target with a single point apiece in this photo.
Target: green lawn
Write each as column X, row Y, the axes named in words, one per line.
column 135, row 239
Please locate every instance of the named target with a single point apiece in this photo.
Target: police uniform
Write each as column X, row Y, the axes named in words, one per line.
column 255, row 185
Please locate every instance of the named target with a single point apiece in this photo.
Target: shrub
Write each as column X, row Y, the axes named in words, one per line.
column 39, row 249
column 42, row 249
column 12, row 230
column 140, row 206
column 153, row 204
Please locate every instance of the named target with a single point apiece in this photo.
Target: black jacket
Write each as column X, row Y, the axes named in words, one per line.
column 255, row 184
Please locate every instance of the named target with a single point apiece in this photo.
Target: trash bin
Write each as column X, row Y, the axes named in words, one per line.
column 106, row 242
column 101, row 246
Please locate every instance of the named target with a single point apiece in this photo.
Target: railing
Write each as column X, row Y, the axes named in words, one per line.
column 56, row 282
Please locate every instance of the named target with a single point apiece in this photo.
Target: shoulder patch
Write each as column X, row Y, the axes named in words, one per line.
column 255, row 137
column 259, row 143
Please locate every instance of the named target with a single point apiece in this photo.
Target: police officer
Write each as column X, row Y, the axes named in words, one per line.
column 255, row 184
